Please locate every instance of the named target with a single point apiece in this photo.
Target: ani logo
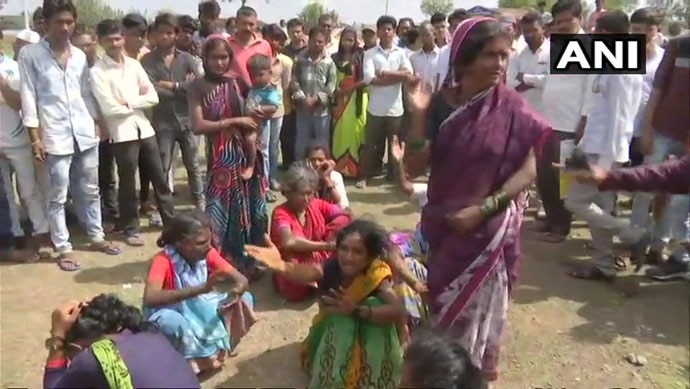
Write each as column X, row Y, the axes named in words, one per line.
column 598, row 54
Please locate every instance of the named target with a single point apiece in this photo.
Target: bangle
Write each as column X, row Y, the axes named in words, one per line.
column 37, row 141
column 489, row 207
column 502, row 200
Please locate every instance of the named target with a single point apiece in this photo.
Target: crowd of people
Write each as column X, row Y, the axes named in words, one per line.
column 467, row 99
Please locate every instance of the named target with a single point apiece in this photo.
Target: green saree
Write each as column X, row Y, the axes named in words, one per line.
column 347, row 352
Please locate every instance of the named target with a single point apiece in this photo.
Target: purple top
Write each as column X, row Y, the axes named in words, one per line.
column 671, row 177
column 151, row 359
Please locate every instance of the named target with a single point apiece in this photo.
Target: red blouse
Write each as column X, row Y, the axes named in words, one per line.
column 162, row 268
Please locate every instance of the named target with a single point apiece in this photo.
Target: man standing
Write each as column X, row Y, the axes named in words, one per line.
column 566, row 101
column 209, row 15
column 296, row 48
column 170, row 71
column 124, row 91
column 528, row 70
column 15, row 156
column 23, row 38
column 298, row 41
column 327, row 24
column 58, row 110
column 386, row 67
column 425, row 61
column 245, row 43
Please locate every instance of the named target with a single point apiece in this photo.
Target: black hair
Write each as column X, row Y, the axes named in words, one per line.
column 573, row 6
column 108, row 27
column 183, row 226
column 477, row 39
column 317, row 146
column 295, row 22
column 324, row 17
column 81, row 29
column 438, row 17
column 259, row 63
column 386, row 20
column 647, row 16
column 675, row 28
column 616, row 22
column 229, row 21
column 166, row 19
column 531, row 17
column 208, row 47
column 107, row 314
column 209, row 8
column 459, row 14
column 186, row 22
column 315, row 31
column 135, row 20
column 373, row 236
column 38, row 14
column 54, row 7
column 438, row 360
column 245, row 11
column 273, row 31
column 406, row 19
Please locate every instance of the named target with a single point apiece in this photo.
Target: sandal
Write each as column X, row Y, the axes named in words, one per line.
column 591, row 273
column 66, row 264
column 271, row 197
column 134, row 240
column 361, row 184
column 619, row 263
column 106, row 248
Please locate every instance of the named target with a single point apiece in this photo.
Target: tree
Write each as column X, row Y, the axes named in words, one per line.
column 90, row 12
column 311, row 13
column 430, row 7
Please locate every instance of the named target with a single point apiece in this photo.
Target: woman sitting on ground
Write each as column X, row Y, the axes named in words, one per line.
column 105, row 343
column 196, row 297
column 304, row 227
column 331, row 184
column 353, row 342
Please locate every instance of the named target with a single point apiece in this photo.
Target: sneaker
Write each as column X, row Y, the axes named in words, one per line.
column 670, row 270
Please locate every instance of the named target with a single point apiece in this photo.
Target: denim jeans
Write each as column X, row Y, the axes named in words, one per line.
column 674, row 221
column 270, row 146
column 77, row 173
column 31, row 187
column 168, row 141
column 311, row 130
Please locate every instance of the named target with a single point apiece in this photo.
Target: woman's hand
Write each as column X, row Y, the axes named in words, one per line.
column 420, row 287
column 397, row 149
column 337, row 302
column 63, row 318
column 595, row 175
column 248, row 122
column 269, row 255
column 418, row 98
column 466, row 220
column 213, row 280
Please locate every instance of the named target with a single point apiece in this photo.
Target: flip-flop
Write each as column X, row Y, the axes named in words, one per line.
column 134, row 241
column 68, row 265
column 106, row 248
column 620, row 263
column 591, row 273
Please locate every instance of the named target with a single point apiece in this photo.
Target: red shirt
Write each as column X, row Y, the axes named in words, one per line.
column 162, row 268
column 243, row 53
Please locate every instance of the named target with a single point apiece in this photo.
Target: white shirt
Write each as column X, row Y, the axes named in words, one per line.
column 12, row 131
column 534, row 65
column 419, row 194
column 123, row 92
column 385, row 101
column 566, row 98
column 610, row 122
column 443, row 62
column 425, row 66
column 651, row 66
column 339, row 187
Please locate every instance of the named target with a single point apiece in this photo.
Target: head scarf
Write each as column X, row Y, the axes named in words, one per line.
column 457, row 41
column 229, row 72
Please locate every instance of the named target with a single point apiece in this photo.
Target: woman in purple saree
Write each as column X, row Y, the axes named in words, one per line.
column 480, row 140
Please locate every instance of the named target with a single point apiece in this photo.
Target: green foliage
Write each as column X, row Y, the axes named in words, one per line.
column 430, row 7
column 90, row 12
column 311, row 13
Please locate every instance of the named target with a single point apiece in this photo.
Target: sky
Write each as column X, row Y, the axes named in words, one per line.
column 360, row 11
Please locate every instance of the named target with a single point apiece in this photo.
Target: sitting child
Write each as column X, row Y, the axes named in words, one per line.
column 263, row 98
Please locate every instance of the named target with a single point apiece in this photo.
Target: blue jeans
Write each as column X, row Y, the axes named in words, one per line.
column 674, row 221
column 270, row 146
column 77, row 173
column 311, row 130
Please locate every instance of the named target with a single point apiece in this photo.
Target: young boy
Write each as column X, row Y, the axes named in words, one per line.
column 263, row 97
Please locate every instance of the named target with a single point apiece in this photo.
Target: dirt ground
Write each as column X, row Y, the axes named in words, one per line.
column 562, row 332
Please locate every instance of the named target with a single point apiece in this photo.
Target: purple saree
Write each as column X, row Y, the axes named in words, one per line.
column 476, row 150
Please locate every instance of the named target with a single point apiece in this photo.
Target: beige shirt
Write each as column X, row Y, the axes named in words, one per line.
column 123, row 92
column 281, row 72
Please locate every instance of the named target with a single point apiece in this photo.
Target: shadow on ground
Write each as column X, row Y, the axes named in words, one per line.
column 251, row 373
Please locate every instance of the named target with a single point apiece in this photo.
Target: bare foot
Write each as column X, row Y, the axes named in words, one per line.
column 247, row 173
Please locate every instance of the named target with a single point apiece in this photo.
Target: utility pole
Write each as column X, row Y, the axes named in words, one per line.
column 386, row 11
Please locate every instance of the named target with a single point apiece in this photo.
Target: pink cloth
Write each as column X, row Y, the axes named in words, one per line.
column 244, row 53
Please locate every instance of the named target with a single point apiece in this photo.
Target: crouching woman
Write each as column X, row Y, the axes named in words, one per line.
column 196, row 297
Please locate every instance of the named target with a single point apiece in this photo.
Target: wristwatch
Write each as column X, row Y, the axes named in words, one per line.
column 54, row 343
